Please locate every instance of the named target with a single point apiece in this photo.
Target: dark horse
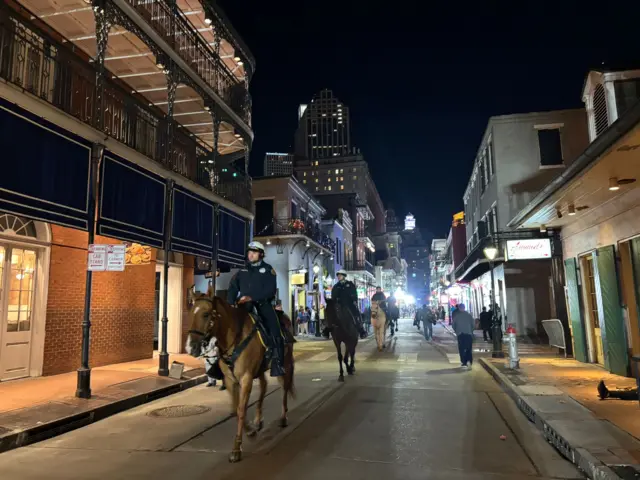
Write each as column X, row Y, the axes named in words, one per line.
column 242, row 360
column 343, row 331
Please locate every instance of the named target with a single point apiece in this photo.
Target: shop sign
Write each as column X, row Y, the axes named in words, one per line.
column 137, row 254
column 528, row 249
column 298, row 279
column 106, row 258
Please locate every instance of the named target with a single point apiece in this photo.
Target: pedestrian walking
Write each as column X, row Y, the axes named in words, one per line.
column 485, row 324
column 463, row 325
column 428, row 318
column 303, row 322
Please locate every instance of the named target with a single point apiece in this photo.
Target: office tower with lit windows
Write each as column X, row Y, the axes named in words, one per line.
column 278, row 164
column 324, row 128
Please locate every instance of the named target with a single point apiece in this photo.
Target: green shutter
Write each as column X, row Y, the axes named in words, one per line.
column 614, row 338
column 635, row 262
column 575, row 316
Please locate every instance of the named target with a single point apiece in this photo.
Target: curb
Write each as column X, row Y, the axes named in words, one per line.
column 36, row 433
column 584, row 460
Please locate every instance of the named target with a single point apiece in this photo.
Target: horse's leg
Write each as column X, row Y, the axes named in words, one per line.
column 353, row 359
column 287, row 385
column 346, row 359
column 339, row 349
column 285, row 401
column 258, row 423
column 246, row 382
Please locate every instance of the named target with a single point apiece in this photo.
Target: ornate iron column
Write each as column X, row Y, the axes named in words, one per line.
column 163, row 363
column 214, row 178
column 83, row 389
column 103, row 25
column 172, row 85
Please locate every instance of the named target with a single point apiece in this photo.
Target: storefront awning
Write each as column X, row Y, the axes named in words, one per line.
column 232, row 246
column 192, row 229
column 131, row 202
column 45, row 171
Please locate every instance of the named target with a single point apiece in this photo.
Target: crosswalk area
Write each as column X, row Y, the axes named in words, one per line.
column 365, row 356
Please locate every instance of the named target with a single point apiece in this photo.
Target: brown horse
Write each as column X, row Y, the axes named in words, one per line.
column 234, row 330
column 343, row 331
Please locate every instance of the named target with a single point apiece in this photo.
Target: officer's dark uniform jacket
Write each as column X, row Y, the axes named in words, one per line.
column 378, row 297
column 345, row 293
column 257, row 281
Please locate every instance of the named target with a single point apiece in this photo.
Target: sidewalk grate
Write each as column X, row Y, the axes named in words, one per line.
column 179, row 411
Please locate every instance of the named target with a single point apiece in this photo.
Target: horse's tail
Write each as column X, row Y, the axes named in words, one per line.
column 289, row 384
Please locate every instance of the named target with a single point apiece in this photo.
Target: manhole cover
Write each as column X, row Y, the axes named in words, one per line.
column 177, row 411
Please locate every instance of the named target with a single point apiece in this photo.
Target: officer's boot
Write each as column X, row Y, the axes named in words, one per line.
column 277, row 357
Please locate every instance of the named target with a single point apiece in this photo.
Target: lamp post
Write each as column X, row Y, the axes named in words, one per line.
column 316, row 287
column 490, row 252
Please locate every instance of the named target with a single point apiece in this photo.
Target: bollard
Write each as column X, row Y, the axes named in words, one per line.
column 514, row 361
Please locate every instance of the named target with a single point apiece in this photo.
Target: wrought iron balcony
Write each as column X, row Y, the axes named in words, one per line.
column 35, row 62
column 296, row 226
column 185, row 40
column 359, row 266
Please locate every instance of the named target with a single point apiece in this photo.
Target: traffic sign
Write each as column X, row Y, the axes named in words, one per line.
column 97, row 261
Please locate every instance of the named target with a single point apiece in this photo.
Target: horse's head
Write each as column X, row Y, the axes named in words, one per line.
column 203, row 316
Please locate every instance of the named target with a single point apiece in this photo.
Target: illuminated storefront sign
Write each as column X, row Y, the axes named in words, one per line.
column 528, row 249
column 409, row 222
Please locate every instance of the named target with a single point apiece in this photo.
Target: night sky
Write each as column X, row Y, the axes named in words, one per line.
column 421, row 83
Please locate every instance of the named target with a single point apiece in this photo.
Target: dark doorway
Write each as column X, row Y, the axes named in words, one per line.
column 264, row 217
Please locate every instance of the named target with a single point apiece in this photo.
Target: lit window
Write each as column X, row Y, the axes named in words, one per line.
column 329, row 187
column 305, row 174
column 342, row 169
column 316, row 189
column 317, row 164
column 354, row 169
column 342, row 179
column 316, row 180
column 337, row 171
column 341, row 187
column 355, row 177
column 337, row 178
column 304, row 181
column 329, row 179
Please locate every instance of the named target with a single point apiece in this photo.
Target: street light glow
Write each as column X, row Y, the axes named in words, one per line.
column 490, row 251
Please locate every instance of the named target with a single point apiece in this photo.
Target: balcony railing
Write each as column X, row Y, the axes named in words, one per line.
column 359, row 265
column 35, row 62
column 296, row 226
column 187, row 43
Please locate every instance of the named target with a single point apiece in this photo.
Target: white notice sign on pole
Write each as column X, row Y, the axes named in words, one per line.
column 115, row 258
column 97, row 260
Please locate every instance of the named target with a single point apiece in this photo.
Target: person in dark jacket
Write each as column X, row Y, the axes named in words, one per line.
column 485, row 324
column 379, row 296
column 256, row 286
column 344, row 292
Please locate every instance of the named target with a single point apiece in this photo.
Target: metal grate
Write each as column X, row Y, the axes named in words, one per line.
column 600, row 115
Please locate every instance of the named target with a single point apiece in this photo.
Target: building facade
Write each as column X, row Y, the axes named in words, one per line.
column 288, row 222
column 278, row 164
column 595, row 208
column 517, row 156
column 416, row 253
column 124, row 140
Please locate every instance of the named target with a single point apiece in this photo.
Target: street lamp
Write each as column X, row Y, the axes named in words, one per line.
column 316, row 288
column 490, row 252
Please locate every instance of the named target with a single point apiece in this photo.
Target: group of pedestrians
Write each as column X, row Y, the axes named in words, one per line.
column 428, row 318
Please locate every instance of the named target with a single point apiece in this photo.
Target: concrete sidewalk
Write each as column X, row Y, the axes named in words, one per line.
column 33, row 409
column 559, row 396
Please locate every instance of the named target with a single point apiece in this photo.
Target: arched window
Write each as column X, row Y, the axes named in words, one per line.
column 12, row 225
column 600, row 115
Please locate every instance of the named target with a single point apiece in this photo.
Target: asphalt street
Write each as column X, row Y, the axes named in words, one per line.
column 408, row 413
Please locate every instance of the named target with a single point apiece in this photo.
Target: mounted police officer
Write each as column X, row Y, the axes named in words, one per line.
column 255, row 286
column 344, row 292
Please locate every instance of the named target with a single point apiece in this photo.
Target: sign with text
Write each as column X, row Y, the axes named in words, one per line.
column 106, row 258
column 97, row 261
column 528, row 249
column 115, row 258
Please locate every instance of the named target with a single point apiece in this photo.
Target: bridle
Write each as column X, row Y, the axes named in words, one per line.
column 205, row 336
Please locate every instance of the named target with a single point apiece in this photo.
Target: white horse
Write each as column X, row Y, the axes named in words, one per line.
column 379, row 324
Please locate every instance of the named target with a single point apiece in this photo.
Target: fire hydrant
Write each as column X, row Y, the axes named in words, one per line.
column 514, row 360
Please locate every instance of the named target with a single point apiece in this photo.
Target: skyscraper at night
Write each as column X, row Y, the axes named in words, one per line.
column 324, row 128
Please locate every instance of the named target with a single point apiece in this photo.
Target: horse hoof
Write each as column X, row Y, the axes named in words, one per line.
column 350, row 372
column 235, row 456
column 284, row 423
column 341, row 378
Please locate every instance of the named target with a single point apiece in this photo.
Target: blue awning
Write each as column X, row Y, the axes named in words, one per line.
column 192, row 227
column 232, row 246
column 45, row 169
column 131, row 202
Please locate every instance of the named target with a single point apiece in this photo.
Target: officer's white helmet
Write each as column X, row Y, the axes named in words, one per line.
column 341, row 272
column 257, row 246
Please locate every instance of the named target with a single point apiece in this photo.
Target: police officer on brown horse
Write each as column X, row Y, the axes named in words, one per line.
column 256, row 286
column 344, row 293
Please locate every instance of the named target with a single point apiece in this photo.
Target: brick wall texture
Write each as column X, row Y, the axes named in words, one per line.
column 122, row 307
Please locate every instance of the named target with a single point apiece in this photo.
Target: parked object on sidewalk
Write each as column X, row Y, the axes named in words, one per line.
column 555, row 331
column 512, row 344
